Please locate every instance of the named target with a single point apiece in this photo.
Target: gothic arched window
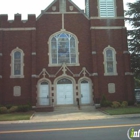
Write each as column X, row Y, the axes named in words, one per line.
column 17, row 63
column 63, row 49
column 110, row 61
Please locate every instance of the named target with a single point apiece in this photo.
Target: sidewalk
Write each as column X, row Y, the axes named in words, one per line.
column 70, row 113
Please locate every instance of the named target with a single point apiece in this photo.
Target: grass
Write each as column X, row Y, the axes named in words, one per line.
column 120, row 111
column 15, row 116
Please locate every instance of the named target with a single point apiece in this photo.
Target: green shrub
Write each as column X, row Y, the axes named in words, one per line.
column 3, row 110
column 105, row 102
column 124, row 104
column 13, row 109
column 115, row 104
column 8, row 106
column 24, row 108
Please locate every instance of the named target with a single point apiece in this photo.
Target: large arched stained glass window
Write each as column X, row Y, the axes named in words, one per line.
column 63, row 49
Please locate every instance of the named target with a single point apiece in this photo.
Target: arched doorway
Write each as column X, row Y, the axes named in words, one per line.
column 85, row 92
column 43, row 95
column 64, row 92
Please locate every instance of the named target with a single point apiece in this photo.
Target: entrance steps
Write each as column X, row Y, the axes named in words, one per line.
column 44, row 109
column 71, row 109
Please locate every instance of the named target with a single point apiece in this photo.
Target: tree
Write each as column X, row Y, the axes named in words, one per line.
column 133, row 17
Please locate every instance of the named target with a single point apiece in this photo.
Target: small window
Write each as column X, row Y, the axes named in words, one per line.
column 107, row 8
column 110, row 61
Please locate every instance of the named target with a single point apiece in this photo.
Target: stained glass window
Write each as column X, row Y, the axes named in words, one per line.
column 17, row 63
column 63, row 49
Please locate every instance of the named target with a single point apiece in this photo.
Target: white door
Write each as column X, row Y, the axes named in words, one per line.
column 85, row 92
column 64, row 92
column 43, row 96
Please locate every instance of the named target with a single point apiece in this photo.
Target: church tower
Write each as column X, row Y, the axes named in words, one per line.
column 111, row 59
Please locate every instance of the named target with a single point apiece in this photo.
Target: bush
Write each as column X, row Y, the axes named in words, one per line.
column 3, row 110
column 8, row 106
column 13, row 109
column 124, row 104
column 115, row 104
column 24, row 108
column 105, row 102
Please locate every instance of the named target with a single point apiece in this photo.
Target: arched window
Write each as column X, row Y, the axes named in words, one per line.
column 17, row 63
column 63, row 48
column 110, row 61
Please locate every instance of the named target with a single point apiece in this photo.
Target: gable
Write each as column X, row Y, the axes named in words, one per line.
column 62, row 6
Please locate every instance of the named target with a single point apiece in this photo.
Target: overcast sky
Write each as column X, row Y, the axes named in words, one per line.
column 26, row 7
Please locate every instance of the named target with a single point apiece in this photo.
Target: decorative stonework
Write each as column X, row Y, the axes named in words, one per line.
column 129, row 73
column 34, row 76
column 33, row 53
column 17, row 91
column 71, row 8
column 54, row 8
column 94, row 52
column 64, row 69
column 111, row 88
column 126, row 52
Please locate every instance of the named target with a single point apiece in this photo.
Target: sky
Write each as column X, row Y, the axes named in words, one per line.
column 25, row 7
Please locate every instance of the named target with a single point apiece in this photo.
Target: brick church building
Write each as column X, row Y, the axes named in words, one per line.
column 64, row 54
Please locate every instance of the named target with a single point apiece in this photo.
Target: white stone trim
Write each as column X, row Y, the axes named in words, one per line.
column 107, row 27
column 0, row 54
column 33, row 53
column 94, row 74
column 18, row 29
column 94, row 52
column 114, row 61
column 126, row 52
column 129, row 73
column 107, row 18
column 12, row 63
column 17, row 91
column 34, row 76
column 63, row 23
column 0, row 76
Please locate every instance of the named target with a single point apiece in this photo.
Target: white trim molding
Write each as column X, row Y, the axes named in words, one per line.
column 107, row 27
column 34, row 76
column 107, row 18
column 126, row 52
column 33, row 53
column 18, row 29
column 94, row 52
column 129, row 73
column 94, row 74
